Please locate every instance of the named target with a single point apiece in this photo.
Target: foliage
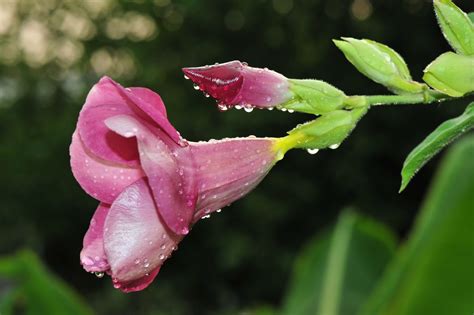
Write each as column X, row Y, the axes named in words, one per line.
column 437, row 140
column 33, row 290
column 346, row 272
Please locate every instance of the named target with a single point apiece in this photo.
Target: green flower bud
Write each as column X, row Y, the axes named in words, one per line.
column 451, row 73
column 379, row 63
column 457, row 28
column 314, row 97
column 328, row 130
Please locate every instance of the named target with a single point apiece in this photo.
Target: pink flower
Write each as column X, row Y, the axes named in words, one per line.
column 152, row 185
column 236, row 84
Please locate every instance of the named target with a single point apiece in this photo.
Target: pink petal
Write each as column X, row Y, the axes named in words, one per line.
column 221, row 81
column 138, row 284
column 264, row 88
column 136, row 240
column 93, row 257
column 235, row 83
column 172, row 184
column 228, row 169
column 150, row 109
column 151, row 98
column 101, row 179
column 102, row 102
column 107, row 98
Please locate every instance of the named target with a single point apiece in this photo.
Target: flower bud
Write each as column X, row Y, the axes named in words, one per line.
column 236, row 84
column 379, row 63
column 315, row 97
column 451, row 73
column 457, row 28
column 328, row 130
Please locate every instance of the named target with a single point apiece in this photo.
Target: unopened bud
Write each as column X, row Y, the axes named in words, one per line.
column 451, row 73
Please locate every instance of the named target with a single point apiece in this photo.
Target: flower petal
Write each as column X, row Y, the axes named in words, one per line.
column 228, row 169
column 138, row 284
column 101, row 179
column 136, row 240
column 222, row 81
column 153, row 99
column 108, row 98
column 235, row 83
column 102, row 102
column 93, row 257
column 172, row 184
column 263, row 88
column 150, row 109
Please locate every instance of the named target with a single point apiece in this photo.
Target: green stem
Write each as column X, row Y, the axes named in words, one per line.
column 428, row 96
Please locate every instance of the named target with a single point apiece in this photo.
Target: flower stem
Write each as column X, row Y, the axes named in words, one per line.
column 426, row 97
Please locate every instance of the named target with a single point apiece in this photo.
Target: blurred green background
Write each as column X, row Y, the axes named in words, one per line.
column 52, row 52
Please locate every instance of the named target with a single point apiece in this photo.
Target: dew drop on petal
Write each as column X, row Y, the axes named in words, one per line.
column 222, row 107
column 186, row 77
column 218, row 210
column 99, row 274
column 248, row 109
column 196, row 87
column 334, row 146
column 312, row 151
column 291, row 111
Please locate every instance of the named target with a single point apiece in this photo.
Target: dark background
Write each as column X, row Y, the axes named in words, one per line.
column 52, row 52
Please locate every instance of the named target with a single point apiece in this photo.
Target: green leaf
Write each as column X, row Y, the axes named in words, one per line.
column 437, row 140
column 338, row 270
column 457, row 27
column 40, row 291
column 432, row 274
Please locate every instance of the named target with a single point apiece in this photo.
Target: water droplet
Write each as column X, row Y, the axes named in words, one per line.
column 163, row 236
column 99, row 274
column 268, row 99
column 185, row 230
column 291, row 111
column 218, row 210
column 207, row 216
column 137, row 261
column 283, row 109
column 186, row 77
column 334, row 146
column 312, row 151
column 163, row 246
column 238, row 107
column 196, row 87
column 248, row 109
column 146, row 265
column 270, row 108
column 162, row 256
column 206, row 95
